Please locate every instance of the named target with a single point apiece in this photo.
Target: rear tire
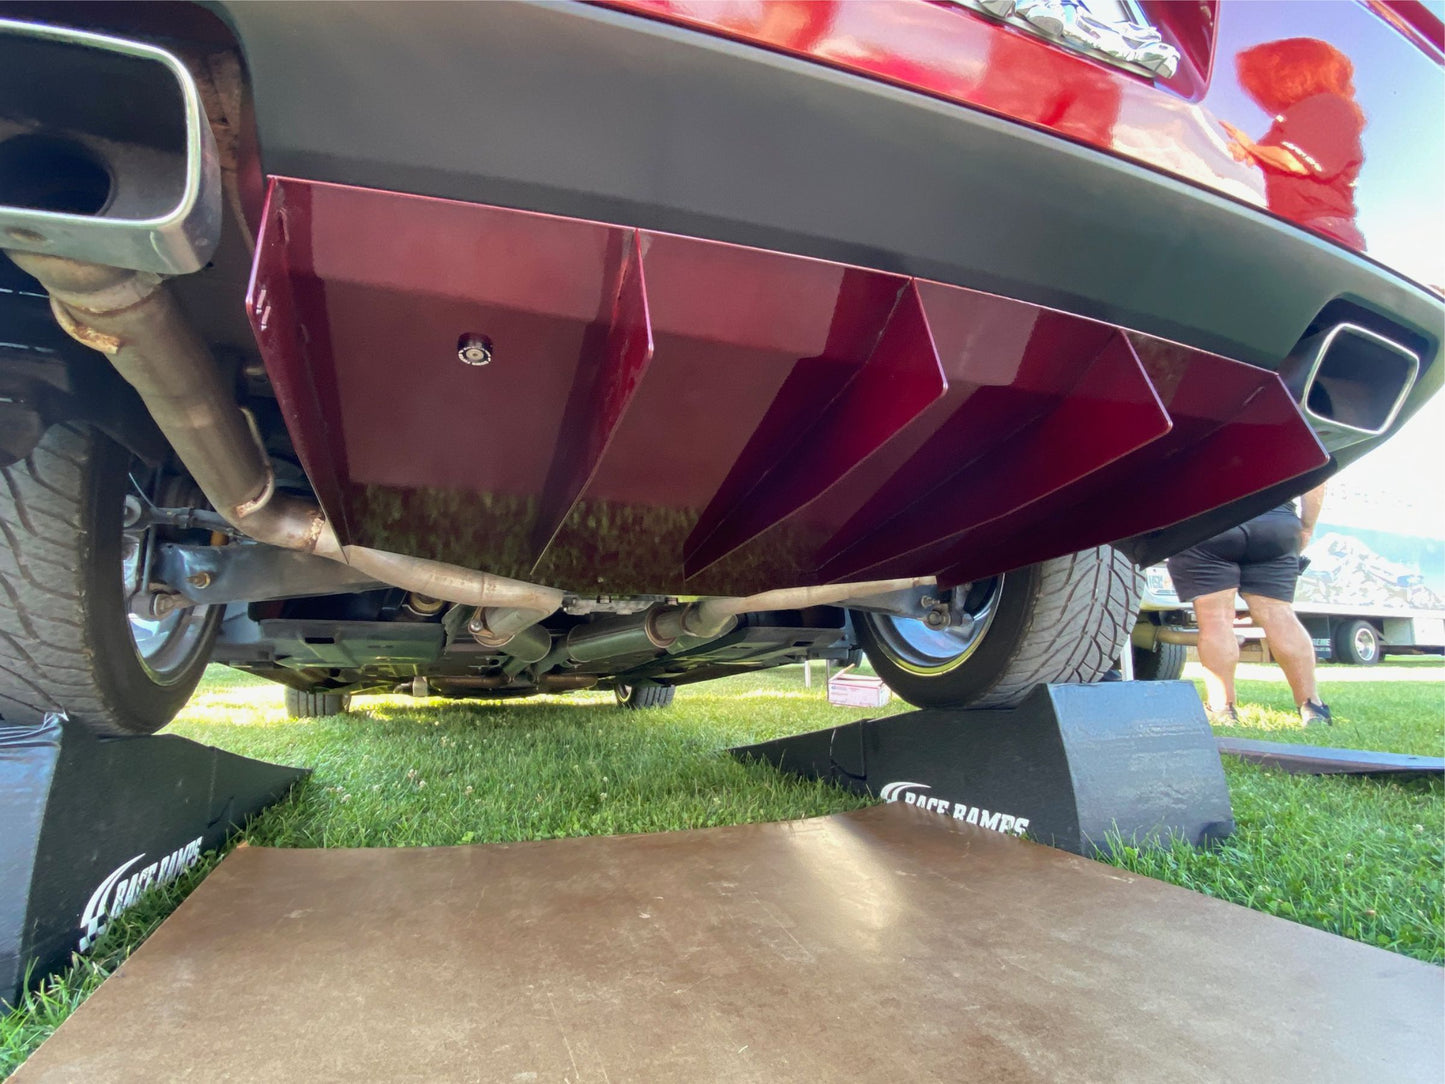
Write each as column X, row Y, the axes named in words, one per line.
column 1164, row 663
column 638, row 697
column 1065, row 620
column 1358, row 643
column 66, row 639
column 315, row 704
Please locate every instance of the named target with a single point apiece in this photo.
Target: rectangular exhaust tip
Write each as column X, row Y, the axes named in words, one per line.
column 106, row 155
column 1351, row 382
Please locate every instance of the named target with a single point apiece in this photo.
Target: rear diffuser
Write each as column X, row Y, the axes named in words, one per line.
column 666, row 413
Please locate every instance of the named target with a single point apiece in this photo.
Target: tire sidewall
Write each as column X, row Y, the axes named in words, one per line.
column 137, row 703
column 644, row 695
column 1345, row 648
column 1164, row 663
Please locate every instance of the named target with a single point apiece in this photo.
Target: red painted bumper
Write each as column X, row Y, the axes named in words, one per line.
column 1390, row 51
column 670, row 415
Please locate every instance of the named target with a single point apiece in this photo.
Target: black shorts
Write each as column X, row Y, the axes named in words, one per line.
column 1260, row 557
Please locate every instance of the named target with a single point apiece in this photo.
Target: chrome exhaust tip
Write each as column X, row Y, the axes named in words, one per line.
column 106, row 155
column 1350, row 382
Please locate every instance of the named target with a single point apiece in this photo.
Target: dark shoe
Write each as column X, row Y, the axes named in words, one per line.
column 1313, row 713
column 1225, row 716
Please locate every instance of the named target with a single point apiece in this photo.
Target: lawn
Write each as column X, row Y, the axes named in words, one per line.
column 1356, row 857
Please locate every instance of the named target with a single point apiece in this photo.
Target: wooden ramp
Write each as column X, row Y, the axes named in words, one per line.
column 887, row 944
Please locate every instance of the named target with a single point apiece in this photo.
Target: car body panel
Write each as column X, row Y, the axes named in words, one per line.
column 614, row 118
column 1174, row 125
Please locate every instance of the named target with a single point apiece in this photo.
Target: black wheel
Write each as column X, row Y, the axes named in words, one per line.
column 1064, row 620
column 68, row 567
column 1164, row 663
column 637, row 697
column 315, row 703
column 1357, row 643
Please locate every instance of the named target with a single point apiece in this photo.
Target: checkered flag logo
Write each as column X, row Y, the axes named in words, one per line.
column 96, row 916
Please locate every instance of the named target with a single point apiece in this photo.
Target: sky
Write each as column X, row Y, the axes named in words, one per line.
column 1400, row 486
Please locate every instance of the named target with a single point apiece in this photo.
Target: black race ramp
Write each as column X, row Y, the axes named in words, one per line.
column 1327, row 760
column 86, row 825
column 1073, row 766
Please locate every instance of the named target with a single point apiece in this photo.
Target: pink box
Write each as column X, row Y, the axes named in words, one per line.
column 857, row 690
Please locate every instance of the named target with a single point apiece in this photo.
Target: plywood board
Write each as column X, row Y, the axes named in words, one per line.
column 878, row 945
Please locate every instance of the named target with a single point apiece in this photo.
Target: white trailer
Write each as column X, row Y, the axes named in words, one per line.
column 1372, row 587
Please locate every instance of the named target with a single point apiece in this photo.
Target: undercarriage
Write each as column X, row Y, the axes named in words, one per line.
column 357, row 435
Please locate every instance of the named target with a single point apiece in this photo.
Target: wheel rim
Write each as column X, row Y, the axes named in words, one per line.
column 912, row 646
column 166, row 647
column 1365, row 644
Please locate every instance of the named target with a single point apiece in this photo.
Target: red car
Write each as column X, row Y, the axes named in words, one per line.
column 481, row 350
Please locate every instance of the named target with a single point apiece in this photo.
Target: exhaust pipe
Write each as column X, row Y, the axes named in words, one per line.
column 1147, row 636
column 715, row 616
column 109, row 180
column 132, row 318
column 105, row 152
column 676, row 628
column 1351, row 382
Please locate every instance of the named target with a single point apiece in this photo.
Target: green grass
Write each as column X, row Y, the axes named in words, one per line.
column 397, row 774
column 1396, row 707
column 1356, row 857
column 1352, row 856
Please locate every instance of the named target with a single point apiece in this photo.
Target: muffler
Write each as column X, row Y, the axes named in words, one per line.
column 105, row 152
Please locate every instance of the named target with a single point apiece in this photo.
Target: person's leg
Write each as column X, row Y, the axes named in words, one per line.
column 1289, row 643
column 1218, row 646
column 1207, row 575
